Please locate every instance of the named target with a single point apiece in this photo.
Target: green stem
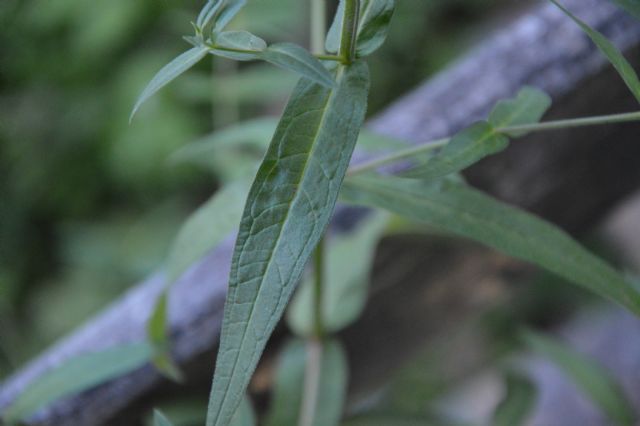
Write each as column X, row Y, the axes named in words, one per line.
column 318, row 25
column 397, row 156
column 322, row 57
column 318, row 283
column 313, row 370
column 574, row 122
column 349, row 31
column 528, row 128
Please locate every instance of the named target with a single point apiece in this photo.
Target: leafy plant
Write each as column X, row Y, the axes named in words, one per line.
column 292, row 198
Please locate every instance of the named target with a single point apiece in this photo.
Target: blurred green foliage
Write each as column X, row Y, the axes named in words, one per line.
column 89, row 203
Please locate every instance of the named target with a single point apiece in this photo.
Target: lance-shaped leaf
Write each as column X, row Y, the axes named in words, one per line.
column 618, row 61
column 297, row 59
column 208, row 12
column 170, row 71
column 528, row 107
column 346, row 285
column 461, row 210
column 238, row 45
column 631, row 6
column 287, row 211
column 228, row 11
column 76, row 375
column 466, row 148
column 518, row 401
column 373, row 26
column 594, row 380
column 331, row 372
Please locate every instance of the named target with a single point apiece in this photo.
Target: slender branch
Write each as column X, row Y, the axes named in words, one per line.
column 572, row 123
column 398, row 156
column 529, row 128
column 313, row 369
column 318, row 283
column 318, row 25
column 349, row 31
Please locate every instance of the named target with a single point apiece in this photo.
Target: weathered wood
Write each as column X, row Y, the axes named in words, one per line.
column 570, row 178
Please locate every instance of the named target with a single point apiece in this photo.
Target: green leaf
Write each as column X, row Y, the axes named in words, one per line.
column 373, row 26
column 332, row 42
column 238, row 45
column 462, row 210
column 232, row 152
column 618, row 61
column 76, row 375
column 288, row 209
column 466, row 148
column 290, row 384
column 528, row 107
column 594, row 380
column 207, row 13
column 244, row 415
column 160, row 419
column 172, row 70
column 229, row 11
column 517, row 403
column 240, row 40
column 297, row 59
column 631, row 6
column 347, row 280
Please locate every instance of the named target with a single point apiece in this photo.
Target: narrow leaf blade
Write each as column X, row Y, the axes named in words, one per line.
column 229, row 11
column 464, row 211
column 373, row 26
column 297, row 59
column 287, row 211
column 591, row 377
column 528, row 107
column 466, row 148
column 332, row 43
column 240, row 40
column 170, row 71
column 618, row 61
column 631, row 6
column 76, row 375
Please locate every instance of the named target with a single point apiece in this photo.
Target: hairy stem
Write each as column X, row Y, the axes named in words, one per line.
column 529, row 128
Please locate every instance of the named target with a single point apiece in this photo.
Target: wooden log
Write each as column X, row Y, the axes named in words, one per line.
column 572, row 178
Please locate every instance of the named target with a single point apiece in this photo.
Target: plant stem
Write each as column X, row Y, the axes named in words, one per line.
column 318, row 26
column 574, row 122
column 397, row 156
column 318, row 283
column 313, row 369
column 349, row 31
column 529, row 128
